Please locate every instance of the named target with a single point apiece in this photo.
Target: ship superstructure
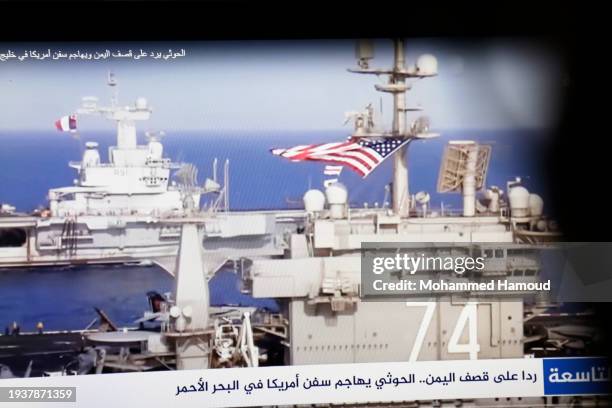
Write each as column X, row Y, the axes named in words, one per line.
column 135, row 180
column 319, row 279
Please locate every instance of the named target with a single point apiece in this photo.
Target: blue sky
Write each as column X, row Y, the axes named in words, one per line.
column 276, row 85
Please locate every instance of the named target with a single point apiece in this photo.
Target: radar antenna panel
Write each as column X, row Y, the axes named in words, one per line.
column 187, row 176
column 457, row 162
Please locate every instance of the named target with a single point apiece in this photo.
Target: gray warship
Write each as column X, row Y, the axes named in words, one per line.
column 308, row 260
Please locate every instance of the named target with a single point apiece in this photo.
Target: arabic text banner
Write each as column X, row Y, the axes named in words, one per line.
column 342, row 383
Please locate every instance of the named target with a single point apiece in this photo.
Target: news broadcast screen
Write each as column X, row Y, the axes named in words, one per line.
column 356, row 221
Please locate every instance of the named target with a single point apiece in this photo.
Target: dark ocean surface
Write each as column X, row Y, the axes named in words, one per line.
column 63, row 298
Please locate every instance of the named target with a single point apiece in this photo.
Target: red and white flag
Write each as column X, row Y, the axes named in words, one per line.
column 67, row 123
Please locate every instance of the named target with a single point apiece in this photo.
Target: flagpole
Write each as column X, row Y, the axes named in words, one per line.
column 77, row 136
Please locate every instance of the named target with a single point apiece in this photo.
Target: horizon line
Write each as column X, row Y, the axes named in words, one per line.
column 220, row 130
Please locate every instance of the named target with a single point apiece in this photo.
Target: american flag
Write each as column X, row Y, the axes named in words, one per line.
column 360, row 154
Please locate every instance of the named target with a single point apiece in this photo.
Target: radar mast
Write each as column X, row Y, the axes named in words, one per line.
column 125, row 117
column 426, row 66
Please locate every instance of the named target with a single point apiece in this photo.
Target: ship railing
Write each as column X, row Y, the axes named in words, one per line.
column 75, row 164
column 364, row 213
column 446, row 211
column 120, row 211
column 148, row 162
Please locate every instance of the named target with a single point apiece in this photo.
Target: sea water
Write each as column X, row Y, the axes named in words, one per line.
column 64, row 297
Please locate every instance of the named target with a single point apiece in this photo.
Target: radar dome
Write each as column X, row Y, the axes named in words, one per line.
column 141, row 103
column 422, row 197
column 187, row 311
column 91, row 156
column 519, row 201
column 336, row 194
column 427, row 64
column 175, row 311
column 536, row 205
column 314, row 200
column 541, row 225
column 156, row 149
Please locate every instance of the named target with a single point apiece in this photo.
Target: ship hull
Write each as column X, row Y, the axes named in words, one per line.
column 106, row 240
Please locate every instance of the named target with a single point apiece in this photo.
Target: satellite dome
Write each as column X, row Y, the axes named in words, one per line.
column 187, row 311
column 336, row 194
column 427, row 64
column 141, row 103
column 519, row 201
column 156, row 149
column 422, row 197
column 536, row 205
column 91, row 156
column 175, row 311
column 541, row 225
column 314, row 200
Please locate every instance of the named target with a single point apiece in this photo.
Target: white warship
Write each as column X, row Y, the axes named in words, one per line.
column 115, row 210
column 310, row 260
